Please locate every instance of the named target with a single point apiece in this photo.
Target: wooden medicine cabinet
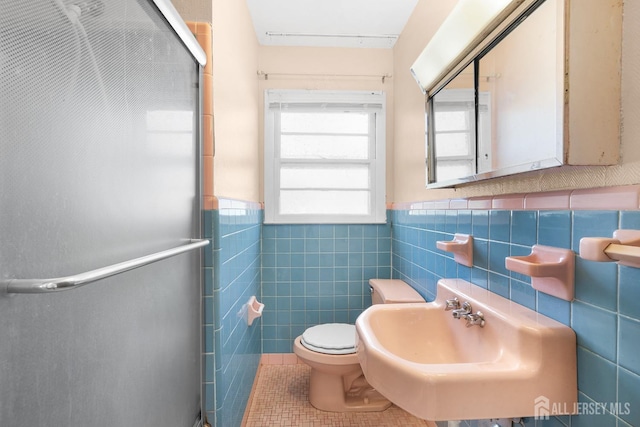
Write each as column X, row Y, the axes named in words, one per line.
column 541, row 90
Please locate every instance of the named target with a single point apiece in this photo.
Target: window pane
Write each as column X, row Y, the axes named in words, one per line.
column 350, row 123
column 293, row 202
column 324, row 147
column 453, row 144
column 446, row 170
column 451, row 120
column 334, row 176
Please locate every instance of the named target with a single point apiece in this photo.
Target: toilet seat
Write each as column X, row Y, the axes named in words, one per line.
column 330, row 338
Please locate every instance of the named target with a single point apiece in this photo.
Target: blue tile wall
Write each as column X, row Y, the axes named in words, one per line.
column 314, row 274
column 208, row 350
column 232, row 349
column 605, row 313
column 310, row 274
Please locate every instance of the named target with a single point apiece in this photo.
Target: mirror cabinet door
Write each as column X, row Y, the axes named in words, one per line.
column 522, row 75
column 453, row 127
column 504, row 112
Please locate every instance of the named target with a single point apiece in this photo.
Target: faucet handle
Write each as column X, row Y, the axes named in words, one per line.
column 475, row 319
column 451, row 304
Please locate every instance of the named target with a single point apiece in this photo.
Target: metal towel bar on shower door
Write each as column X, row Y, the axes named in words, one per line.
column 41, row 286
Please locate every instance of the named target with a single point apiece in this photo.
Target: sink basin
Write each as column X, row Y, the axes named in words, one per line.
column 430, row 364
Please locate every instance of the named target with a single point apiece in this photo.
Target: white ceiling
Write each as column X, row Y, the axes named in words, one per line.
column 336, row 23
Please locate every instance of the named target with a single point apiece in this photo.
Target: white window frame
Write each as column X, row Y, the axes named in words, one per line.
column 369, row 101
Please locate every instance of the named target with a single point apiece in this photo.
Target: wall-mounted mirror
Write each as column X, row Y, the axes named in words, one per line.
column 502, row 114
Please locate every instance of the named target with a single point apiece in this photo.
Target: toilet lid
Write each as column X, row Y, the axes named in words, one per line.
column 330, row 338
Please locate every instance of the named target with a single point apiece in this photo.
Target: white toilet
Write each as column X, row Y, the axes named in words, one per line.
column 336, row 382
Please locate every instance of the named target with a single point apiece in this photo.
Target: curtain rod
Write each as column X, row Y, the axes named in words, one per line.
column 370, row 76
column 335, row 35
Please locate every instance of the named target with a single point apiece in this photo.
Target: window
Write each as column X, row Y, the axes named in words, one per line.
column 324, row 157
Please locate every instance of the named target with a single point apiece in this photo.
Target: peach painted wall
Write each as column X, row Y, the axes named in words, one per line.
column 409, row 137
column 235, row 102
column 409, row 121
column 236, row 164
column 238, row 105
column 329, row 69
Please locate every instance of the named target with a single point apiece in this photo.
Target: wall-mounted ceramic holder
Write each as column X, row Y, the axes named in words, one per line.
column 461, row 246
column 254, row 310
column 552, row 270
column 624, row 248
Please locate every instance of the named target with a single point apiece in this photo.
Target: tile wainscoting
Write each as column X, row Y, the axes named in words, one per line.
column 232, row 349
column 314, row 274
column 310, row 274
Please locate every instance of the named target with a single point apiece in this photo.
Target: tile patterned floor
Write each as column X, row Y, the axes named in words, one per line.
column 280, row 399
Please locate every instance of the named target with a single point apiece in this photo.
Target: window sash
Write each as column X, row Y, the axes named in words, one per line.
column 275, row 163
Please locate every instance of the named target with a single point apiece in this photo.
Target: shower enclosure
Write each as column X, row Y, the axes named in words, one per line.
column 99, row 208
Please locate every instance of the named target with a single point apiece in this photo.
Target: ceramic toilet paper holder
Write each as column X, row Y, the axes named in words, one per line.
column 254, row 310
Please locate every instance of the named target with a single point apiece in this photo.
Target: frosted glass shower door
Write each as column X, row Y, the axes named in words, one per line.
column 98, row 165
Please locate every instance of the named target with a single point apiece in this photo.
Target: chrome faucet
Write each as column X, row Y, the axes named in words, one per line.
column 451, row 304
column 463, row 312
column 466, row 312
column 475, row 319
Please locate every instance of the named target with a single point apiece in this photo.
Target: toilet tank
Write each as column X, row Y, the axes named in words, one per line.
column 392, row 291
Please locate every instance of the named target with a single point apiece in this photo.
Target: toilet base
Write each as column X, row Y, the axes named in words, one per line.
column 360, row 397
